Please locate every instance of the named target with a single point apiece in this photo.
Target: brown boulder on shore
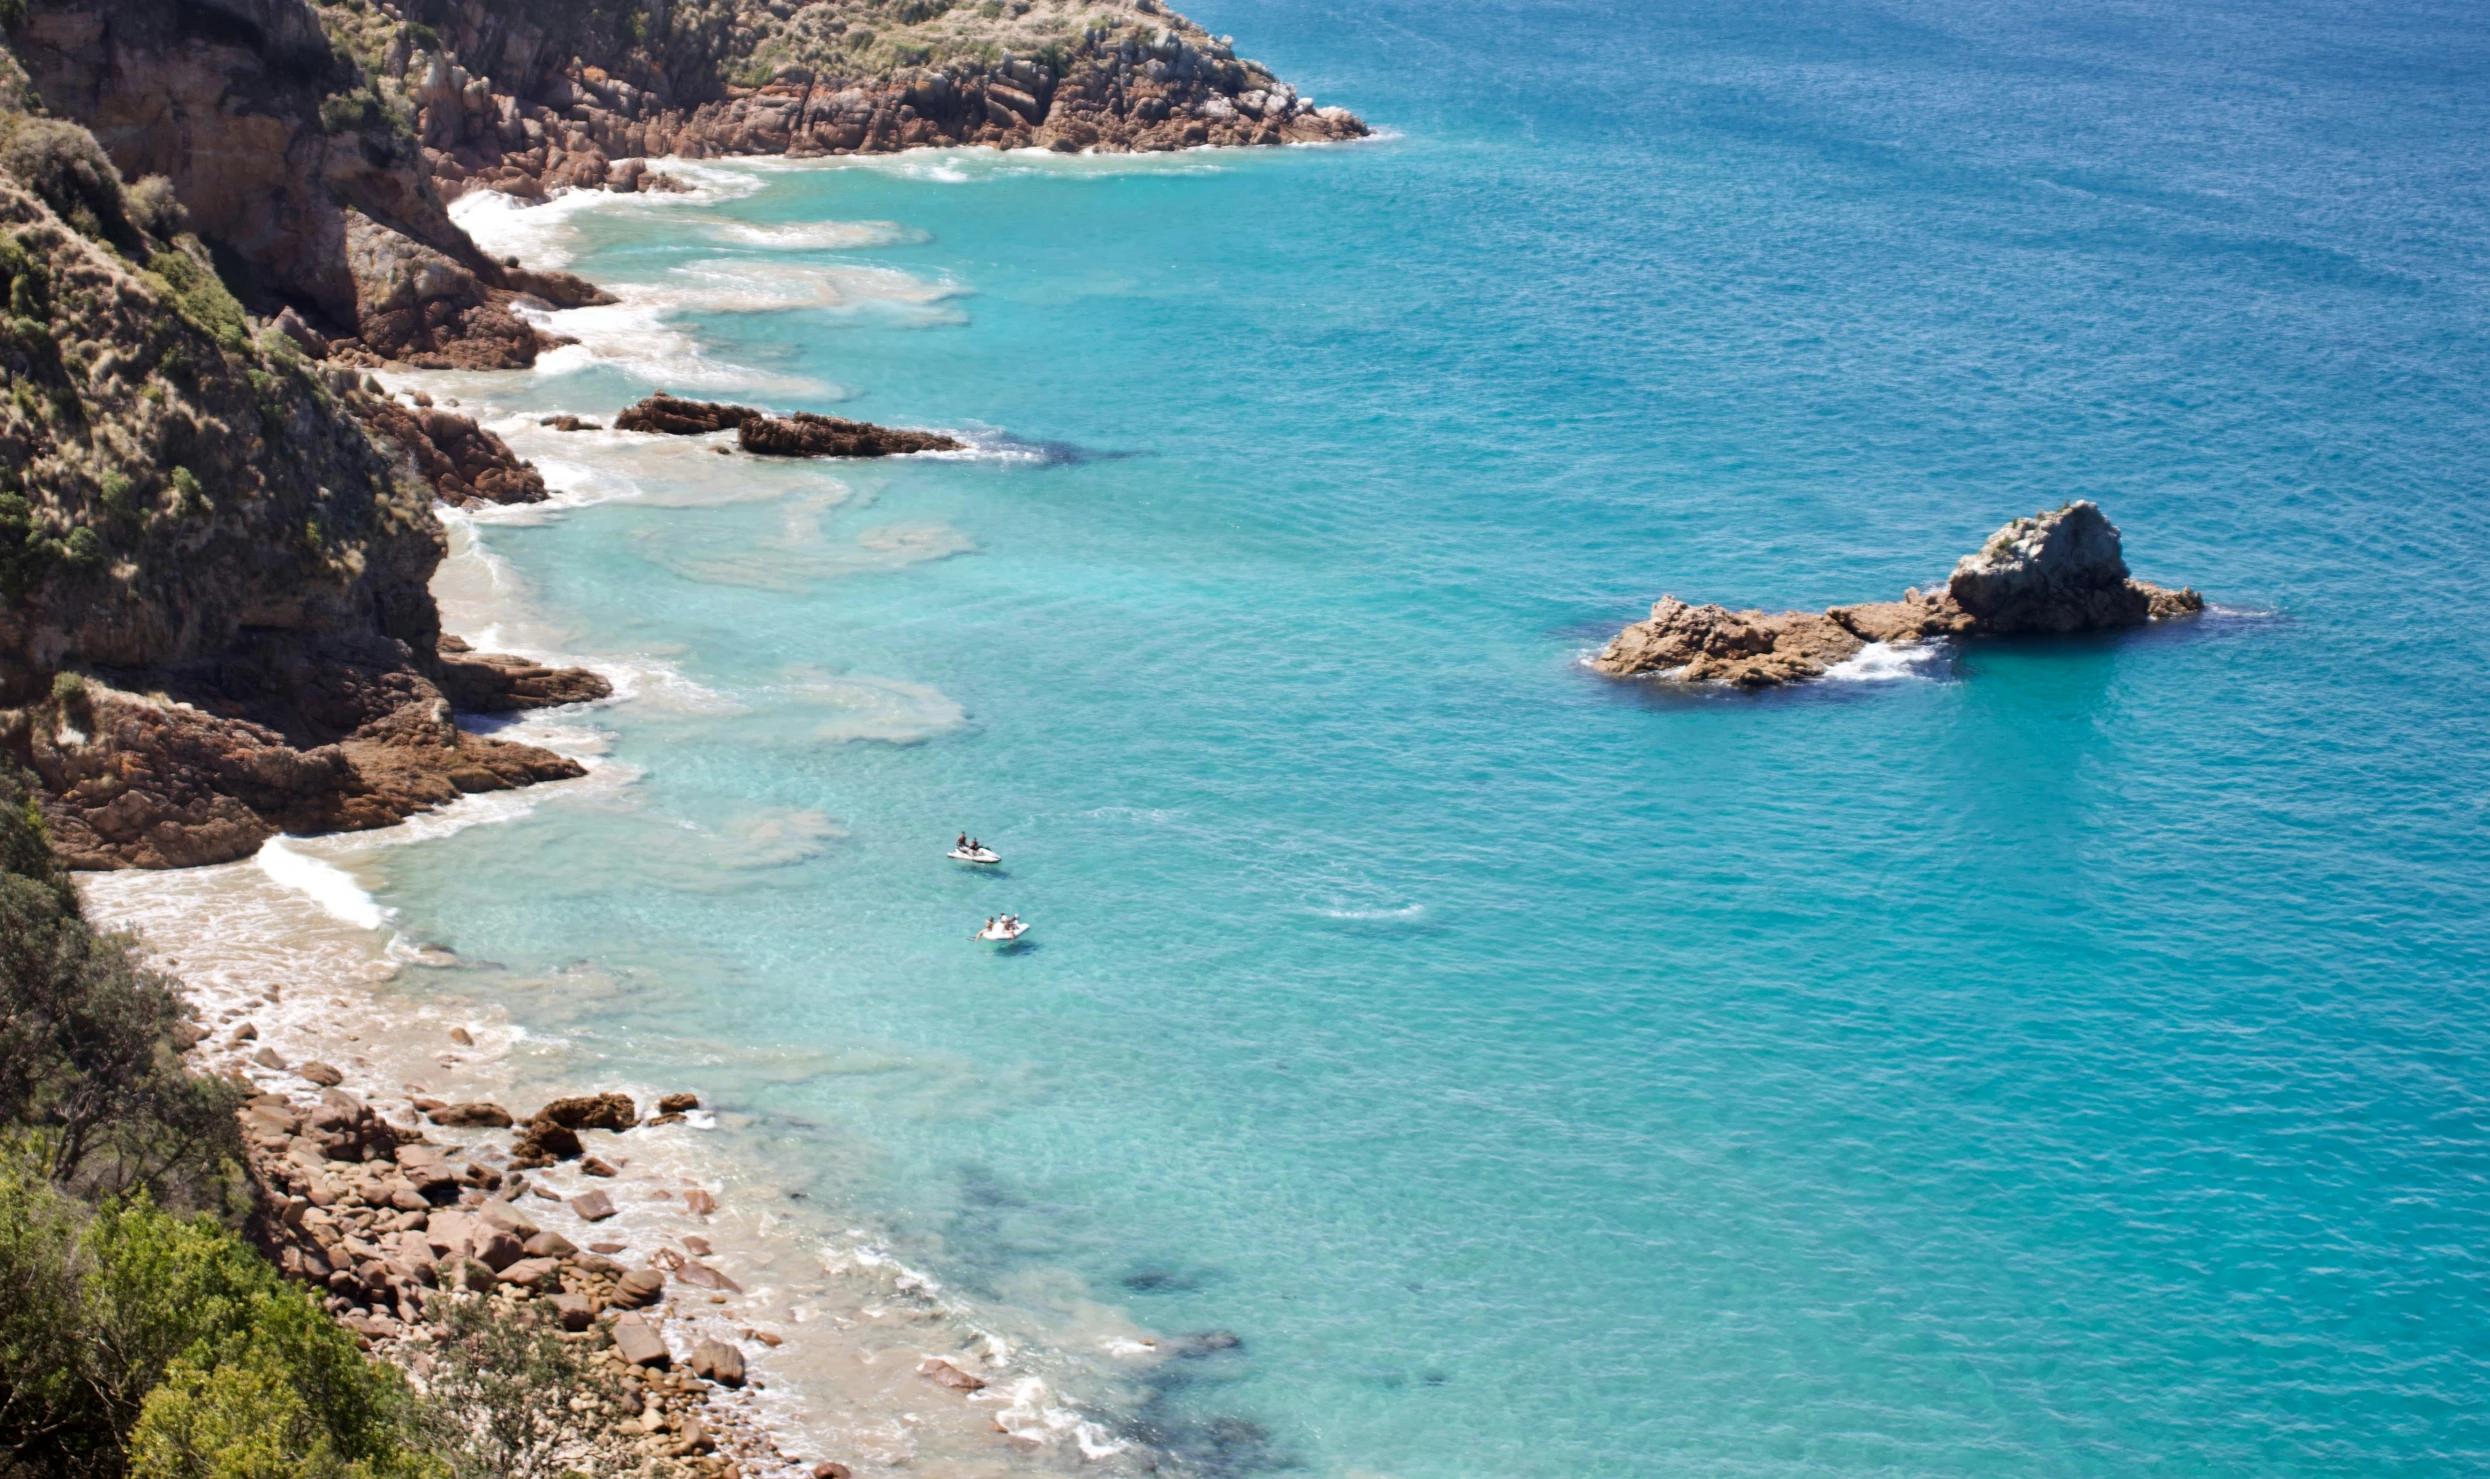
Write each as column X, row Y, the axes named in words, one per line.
column 462, row 461
column 2060, row 571
column 717, row 1361
column 591, row 1112
column 542, row 1143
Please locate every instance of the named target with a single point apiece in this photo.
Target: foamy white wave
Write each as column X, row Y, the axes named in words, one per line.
column 546, row 233
column 1880, row 662
column 539, row 233
column 744, row 285
column 1405, row 912
column 638, row 333
column 484, row 601
column 634, row 335
column 325, row 884
column 813, row 236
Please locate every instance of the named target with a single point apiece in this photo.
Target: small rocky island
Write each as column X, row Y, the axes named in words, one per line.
column 2060, row 571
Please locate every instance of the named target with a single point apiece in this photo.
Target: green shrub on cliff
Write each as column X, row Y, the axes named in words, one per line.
column 156, row 210
column 199, row 295
column 27, row 552
column 61, row 162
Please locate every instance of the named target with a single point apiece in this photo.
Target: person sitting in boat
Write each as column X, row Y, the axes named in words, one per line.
column 964, row 842
column 989, row 929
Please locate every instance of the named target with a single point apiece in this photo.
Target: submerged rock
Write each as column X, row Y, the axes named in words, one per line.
column 2060, row 571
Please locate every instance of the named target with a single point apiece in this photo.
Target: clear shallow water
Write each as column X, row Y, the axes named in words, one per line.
column 2061, row 1060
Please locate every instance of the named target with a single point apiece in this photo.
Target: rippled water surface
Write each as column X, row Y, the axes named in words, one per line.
column 2055, row 1059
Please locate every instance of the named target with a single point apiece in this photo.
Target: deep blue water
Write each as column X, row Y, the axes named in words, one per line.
column 2066, row 1061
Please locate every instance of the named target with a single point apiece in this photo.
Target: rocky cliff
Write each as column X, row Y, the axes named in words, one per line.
column 2061, row 571
column 214, row 614
column 215, row 534
column 294, row 162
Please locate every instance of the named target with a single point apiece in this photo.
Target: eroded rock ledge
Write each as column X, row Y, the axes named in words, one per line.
column 795, row 434
column 2061, row 571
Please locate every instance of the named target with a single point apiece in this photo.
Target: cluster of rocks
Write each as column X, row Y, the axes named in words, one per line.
column 2060, row 571
column 423, row 306
column 795, row 434
column 385, row 1220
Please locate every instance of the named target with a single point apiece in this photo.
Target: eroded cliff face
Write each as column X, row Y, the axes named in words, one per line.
column 214, row 615
column 296, row 163
column 175, row 480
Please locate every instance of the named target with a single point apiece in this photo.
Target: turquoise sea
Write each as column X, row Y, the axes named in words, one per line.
column 2051, row 1059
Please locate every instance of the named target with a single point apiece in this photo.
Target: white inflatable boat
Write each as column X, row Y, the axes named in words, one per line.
column 984, row 855
column 1003, row 932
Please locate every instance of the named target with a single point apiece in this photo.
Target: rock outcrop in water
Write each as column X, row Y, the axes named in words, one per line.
column 803, row 434
column 796, row 434
column 2061, row 571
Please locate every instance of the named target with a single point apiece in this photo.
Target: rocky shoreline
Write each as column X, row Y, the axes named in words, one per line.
column 217, row 537
column 387, row 1217
column 392, row 1149
column 2056, row 572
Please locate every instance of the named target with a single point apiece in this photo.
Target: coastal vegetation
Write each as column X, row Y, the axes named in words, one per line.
column 141, row 1333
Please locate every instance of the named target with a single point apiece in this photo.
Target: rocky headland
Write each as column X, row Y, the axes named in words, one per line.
column 2055, row 572
column 214, row 556
column 526, row 98
column 215, row 531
